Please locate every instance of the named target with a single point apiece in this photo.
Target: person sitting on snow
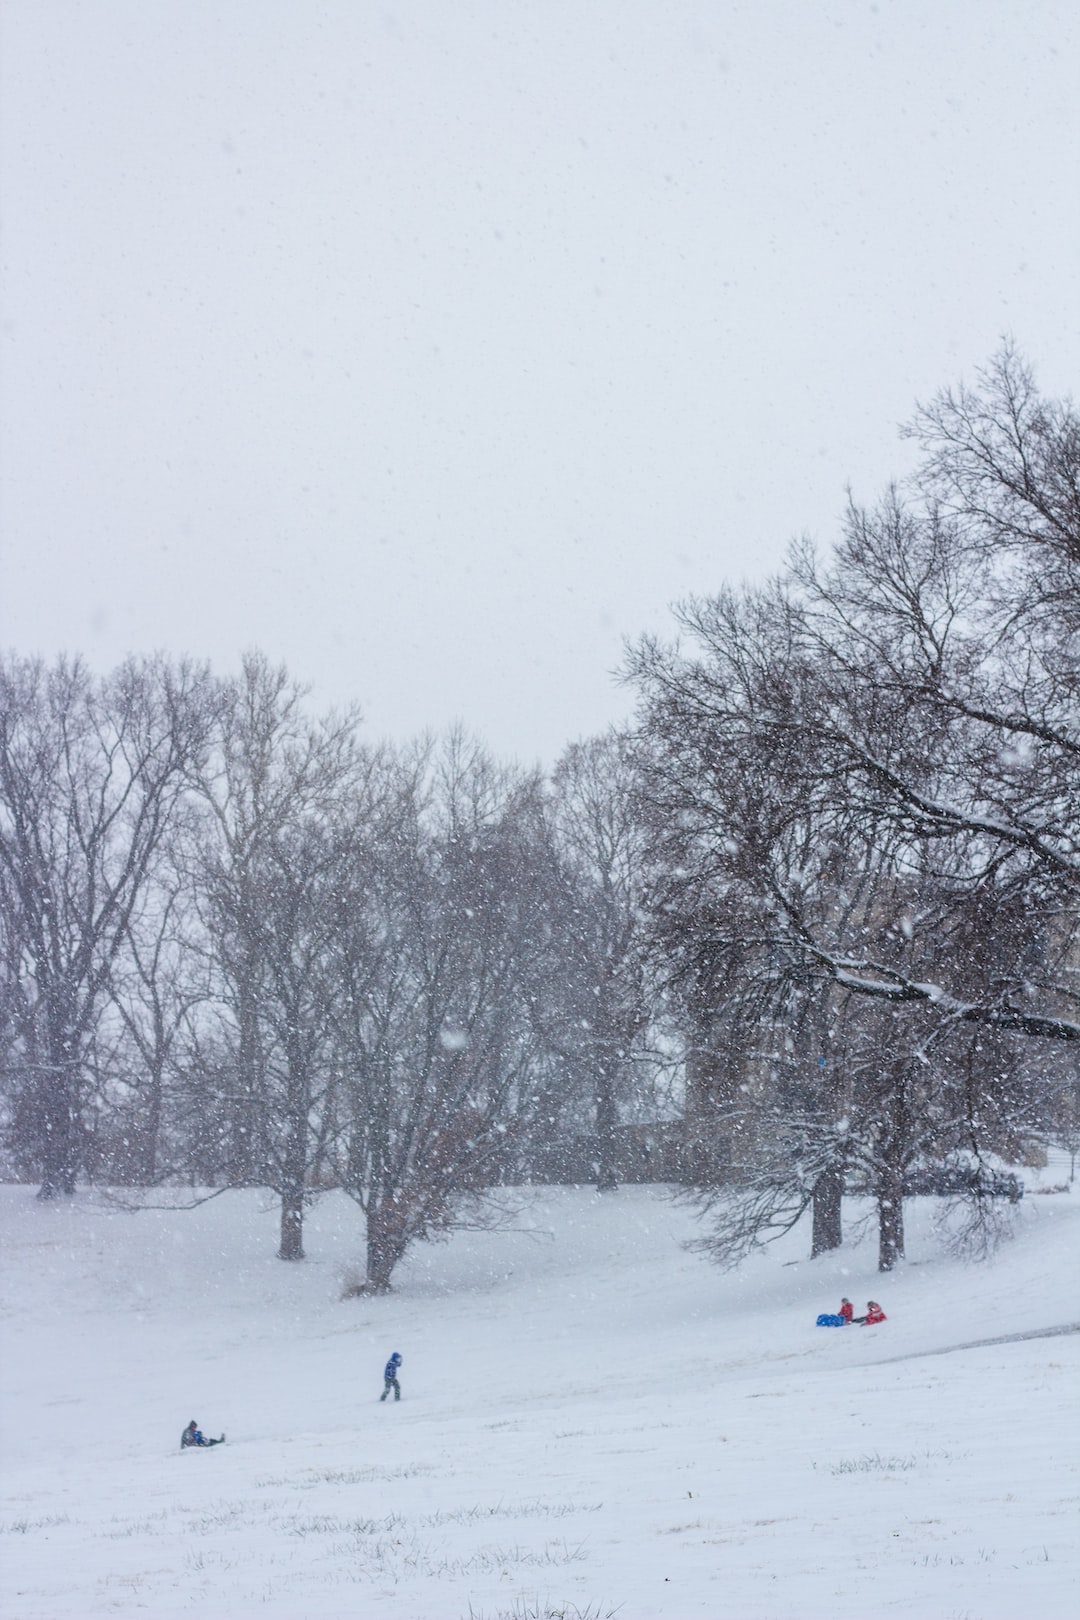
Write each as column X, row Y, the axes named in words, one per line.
column 390, row 1373
column 874, row 1313
column 193, row 1436
column 840, row 1318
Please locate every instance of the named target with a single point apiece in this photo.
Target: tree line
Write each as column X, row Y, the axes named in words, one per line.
column 242, row 947
column 816, row 907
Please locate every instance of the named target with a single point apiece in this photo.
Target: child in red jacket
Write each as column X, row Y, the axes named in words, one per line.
column 874, row 1313
column 847, row 1311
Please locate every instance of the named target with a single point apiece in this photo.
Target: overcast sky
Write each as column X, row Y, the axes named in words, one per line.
column 436, row 347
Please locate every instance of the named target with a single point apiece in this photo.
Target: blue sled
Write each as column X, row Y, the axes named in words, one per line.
column 830, row 1321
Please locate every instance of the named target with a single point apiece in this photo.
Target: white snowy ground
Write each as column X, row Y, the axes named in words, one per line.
column 595, row 1421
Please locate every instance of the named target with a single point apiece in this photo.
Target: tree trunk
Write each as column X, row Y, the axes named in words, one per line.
column 893, row 1151
column 247, row 1138
column 151, row 1128
column 292, row 1198
column 607, row 1120
column 292, row 1225
column 295, row 1159
column 827, row 1230
column 62, row 1136
column 58, row 1169
column 384, row 1247
column 890, row 1223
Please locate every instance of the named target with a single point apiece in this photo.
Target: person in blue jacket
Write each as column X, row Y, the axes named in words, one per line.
column 390, row 1376
column 193, row 1436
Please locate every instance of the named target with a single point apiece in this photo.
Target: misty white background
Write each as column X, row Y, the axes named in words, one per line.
column 436, row 347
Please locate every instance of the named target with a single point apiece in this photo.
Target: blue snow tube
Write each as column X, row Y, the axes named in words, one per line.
column 829, row 1321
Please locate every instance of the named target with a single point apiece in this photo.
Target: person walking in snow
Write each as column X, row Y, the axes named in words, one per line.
column 390, row 1377
column 193, row 1436
column 874, row 1314
column 847, row 1311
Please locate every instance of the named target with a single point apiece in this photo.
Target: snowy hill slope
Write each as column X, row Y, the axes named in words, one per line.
column 594, row 1420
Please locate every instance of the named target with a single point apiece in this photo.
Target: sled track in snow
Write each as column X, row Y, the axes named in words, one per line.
column 981, row 1344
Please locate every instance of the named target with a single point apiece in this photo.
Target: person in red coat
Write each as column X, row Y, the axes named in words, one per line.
column 874, row 1313
column 847, row 1311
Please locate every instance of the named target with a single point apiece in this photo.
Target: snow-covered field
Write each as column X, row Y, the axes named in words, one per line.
column 595, row 1421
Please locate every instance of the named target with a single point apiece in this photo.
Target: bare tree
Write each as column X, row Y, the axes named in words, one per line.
column 159, row 982
column 435, row 1046
column 957, row 610
column 1005, row 462
column 91, row 772
column 593, row 1002
column 743, row 836
column 274, row 788
column 866, row 772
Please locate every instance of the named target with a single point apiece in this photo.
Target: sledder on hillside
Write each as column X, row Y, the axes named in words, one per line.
column 845, row 1316
column 874, row 1314
column 193, row 1436
column 840, row 1318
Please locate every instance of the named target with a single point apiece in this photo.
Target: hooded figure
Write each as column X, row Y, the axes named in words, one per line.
column 390, row 1377
column 193, row 1436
